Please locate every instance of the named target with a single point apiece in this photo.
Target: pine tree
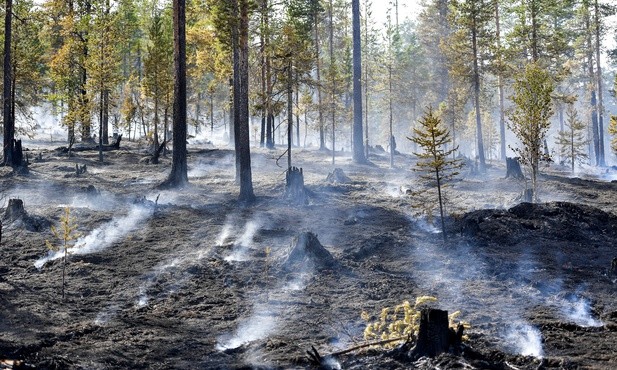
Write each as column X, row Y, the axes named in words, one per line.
column 158, row 68
column 529, row 120
column 472, row 38
column 103, row 65
column 571, row 142
column 433, row 138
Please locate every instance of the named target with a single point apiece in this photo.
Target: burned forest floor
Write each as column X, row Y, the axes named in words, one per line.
column 190, row 278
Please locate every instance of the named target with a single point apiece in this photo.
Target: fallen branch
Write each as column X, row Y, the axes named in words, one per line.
column 316, row 358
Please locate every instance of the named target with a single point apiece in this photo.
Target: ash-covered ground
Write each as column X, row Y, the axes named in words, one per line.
column 191, row 279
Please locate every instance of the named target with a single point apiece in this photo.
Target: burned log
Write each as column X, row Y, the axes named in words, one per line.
column 435, row 336
column 513, row 168
column 309, row 253
column 80, row 170
column 294, row 185
column 85, row 148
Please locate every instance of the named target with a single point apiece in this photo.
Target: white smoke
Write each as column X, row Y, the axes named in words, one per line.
column 244, row 242
column 525, row 339
column 103, row 236
column 578, row 311
column 262, row 322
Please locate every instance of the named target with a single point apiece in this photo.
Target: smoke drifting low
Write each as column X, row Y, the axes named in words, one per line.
column 105, row 235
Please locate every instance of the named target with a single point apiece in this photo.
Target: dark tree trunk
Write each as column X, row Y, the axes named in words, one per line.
column 502, row 118
column 290, row 116
column 358, row 146
column 601, row 161
column 9, row 122
column 241, row 101
column 322, row 135
column 84, row 116
column 106, row 117
column 178, row 175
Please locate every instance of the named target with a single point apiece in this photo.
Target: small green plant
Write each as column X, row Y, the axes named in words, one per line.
column 401, row 323
column 67, row 235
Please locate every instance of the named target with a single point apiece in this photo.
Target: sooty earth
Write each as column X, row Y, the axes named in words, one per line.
column 191, row 279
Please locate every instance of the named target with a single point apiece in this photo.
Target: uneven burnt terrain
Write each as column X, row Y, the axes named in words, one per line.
column 191, row 279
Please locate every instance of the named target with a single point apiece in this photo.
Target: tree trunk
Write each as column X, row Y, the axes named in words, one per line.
column 178, row 175
column 289, row 111
column 358, row 146
column 241, row 101
column 601, row 161
column 476, row 90
column 502, row 118
column 106, row 117
column 9, row 122
column 592, row 87
column 322, row 134
column 262, row 52
column 333, row 87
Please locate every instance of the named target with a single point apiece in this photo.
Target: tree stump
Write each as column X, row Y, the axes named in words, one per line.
column 338, row 177
column 294, row 185
column 308, row 252
column 434, row 335
column 15, row 210
column 513, row 168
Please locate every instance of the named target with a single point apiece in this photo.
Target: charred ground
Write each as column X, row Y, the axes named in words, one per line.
column 192, row 280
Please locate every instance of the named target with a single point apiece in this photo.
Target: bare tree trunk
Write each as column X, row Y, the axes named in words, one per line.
column 592, row 88
column 178, row 176
column 358, row 146
column 322, row 134
column 241, row 100
column 476, row 89
column 289, row 111
column 502, row 118
column 601, row 161
column 9, row 122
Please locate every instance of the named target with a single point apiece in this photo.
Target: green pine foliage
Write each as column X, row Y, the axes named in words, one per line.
column 572, row 141
column 66, row 234
column 434, row 164
column 529, row 118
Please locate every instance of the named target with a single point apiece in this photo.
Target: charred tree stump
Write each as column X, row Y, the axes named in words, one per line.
column 308, row 252
column 80, row 170
column 15, row 210
column 338, row 177
column 434, row 335
column 513, row 169
column 294, row 185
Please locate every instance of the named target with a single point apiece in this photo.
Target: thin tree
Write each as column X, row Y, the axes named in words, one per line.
column 571, row 141
column 529, row 119
column 178, row 176
column 601, row 161
column 358, row 147
column 434, row 139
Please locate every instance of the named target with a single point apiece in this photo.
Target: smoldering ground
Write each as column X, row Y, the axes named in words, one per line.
column 163, row 293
